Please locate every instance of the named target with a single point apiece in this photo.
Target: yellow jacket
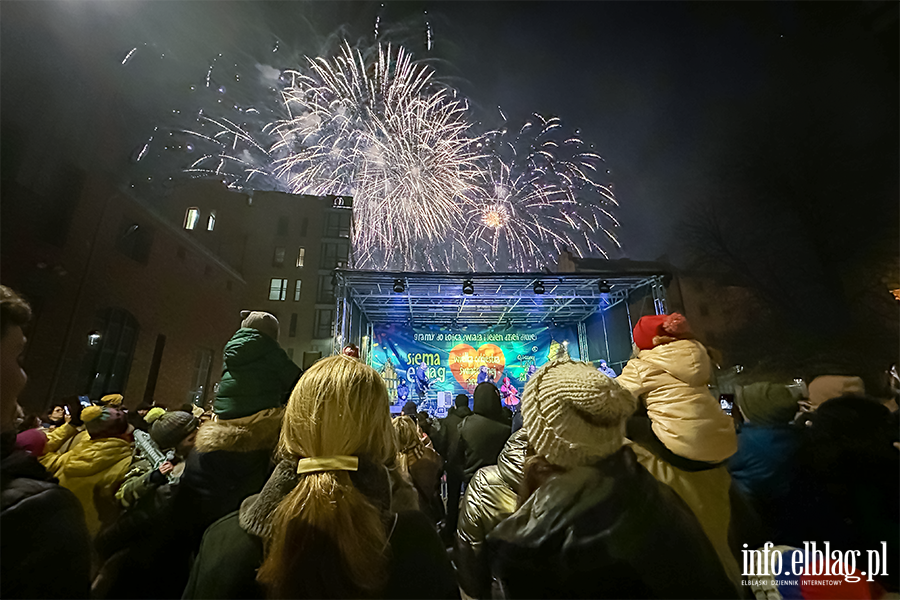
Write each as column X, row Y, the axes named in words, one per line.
column 671, row 380
column 93, row 471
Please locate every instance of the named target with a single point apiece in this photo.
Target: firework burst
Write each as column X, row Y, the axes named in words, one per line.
column 539, row 196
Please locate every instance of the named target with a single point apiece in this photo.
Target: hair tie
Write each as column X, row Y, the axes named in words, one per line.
column 320, row 464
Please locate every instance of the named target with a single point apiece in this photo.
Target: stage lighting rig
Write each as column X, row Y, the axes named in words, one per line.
column 538, row 288
column 468, row 287
column 399, row 287
column 604, row 287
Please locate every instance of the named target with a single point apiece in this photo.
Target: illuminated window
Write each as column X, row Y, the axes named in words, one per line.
column 301, row 254
column 278, row 257
column 191, row 217
column 297, row 291
column 278, row 289
column 211, row 222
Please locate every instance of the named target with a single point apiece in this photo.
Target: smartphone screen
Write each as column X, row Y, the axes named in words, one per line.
column 726, row 401
column 85, row 401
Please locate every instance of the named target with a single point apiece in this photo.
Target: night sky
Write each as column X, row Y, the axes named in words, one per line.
column 675, row 96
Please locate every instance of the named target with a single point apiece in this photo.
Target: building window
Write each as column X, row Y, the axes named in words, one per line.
column 304, row 225
column 325, row 290
column 135, row 241
column 301, row 255
column 297, row 290
column 282, row 225
column 324, row 323
column 278, row 289
column 278, row 257
column 292, row 330
column 191, row 217
column 107, row 364
column 334, row 255
column 211, row 222
column 337, row 224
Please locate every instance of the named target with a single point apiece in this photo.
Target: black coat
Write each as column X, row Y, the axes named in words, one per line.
column 447, row 438
column 483, row 434
column 44, row 540
column 606, row 531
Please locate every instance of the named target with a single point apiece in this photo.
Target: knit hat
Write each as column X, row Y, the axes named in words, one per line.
column 111, row 400
column 168, row 429
column 768, row 404
column 261, row 321
column 104, row 421
column 32, row 441
column 574, row 414
column 827, row 387
column 650, row 328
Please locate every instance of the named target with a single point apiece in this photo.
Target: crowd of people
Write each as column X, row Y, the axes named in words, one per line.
column 596, row 485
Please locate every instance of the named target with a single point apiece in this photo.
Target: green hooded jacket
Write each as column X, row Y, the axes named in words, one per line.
column 257, row 375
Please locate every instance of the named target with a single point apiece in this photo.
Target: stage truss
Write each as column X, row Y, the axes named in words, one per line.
column 499, row 299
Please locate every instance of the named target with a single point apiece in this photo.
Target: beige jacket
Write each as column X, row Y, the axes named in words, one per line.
column 671, row 380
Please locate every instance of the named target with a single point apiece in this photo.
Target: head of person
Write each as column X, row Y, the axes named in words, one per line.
column 575, row 416
column 30, row 421
column 104, row 422
column 262, row 322
column 328, row 538
column 461, row 401
column 112, row 400
column 767, row 404
column 176, row 429
column 15, row 313
column 143, row 408
column 410, row 409
column 826, row 387
column 57, row 413
column 487, row 400
column 410, row 444
column 423, row 420
column 655, row 330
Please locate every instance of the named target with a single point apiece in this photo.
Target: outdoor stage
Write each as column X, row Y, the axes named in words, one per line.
column 507, row 323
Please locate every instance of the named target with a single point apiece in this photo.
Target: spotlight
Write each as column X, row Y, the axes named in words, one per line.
column 468, row 287
column 605, row 287
column 538, row 288
column 398, row 286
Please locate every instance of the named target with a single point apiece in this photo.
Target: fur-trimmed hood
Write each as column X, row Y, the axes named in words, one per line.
column 259, row 431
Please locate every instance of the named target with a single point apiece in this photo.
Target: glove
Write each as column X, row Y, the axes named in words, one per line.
column 75, row 409
column 157, row 478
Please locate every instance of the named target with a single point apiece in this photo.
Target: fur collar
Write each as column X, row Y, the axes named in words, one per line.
column 259, row 431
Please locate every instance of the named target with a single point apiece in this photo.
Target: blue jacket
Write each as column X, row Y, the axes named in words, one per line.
column 764, row 459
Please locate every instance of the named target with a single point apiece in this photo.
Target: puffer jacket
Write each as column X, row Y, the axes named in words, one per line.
column 490, row 498
column 483, row 434
column 609, row 530
column 257, row 375
column 93, row 471
column 671, row 380
column 41, row 524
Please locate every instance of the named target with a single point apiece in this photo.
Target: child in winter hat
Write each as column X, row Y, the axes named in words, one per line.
column 258, row 374
column 678, row 418
column 103, row 422
column 574, row 414
column 169, row 429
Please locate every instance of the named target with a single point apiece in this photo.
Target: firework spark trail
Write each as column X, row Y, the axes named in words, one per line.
column 428, row 192
column 539, row 198
column 386, row 134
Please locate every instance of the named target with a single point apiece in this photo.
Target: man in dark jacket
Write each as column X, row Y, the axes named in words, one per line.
column 446, row 443
column 483, row 434
column 41, row 524
column 595, row 523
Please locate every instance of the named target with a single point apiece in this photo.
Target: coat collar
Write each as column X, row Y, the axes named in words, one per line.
column 258, row 431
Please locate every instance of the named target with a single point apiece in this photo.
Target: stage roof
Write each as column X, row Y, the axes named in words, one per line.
column 498, row 299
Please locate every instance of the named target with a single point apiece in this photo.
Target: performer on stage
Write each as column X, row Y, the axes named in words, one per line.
column 421, row 381
column 606, row 370
column 402, row 390
column 531, row 370
column 509, row 393
column 484, row 375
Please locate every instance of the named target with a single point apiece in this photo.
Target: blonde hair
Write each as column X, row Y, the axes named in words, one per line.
column 411, row 445
column 328, row 539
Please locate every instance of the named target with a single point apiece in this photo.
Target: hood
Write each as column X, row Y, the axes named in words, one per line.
column 487, row 401
column 511, row 462
column 246, row 346
column 685, row 360
column 95, row 456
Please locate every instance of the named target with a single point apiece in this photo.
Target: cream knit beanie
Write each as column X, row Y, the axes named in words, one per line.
column 574, row 414
column 261, row 321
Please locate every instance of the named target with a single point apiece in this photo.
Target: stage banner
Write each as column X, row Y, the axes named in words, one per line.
column 455, row 361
